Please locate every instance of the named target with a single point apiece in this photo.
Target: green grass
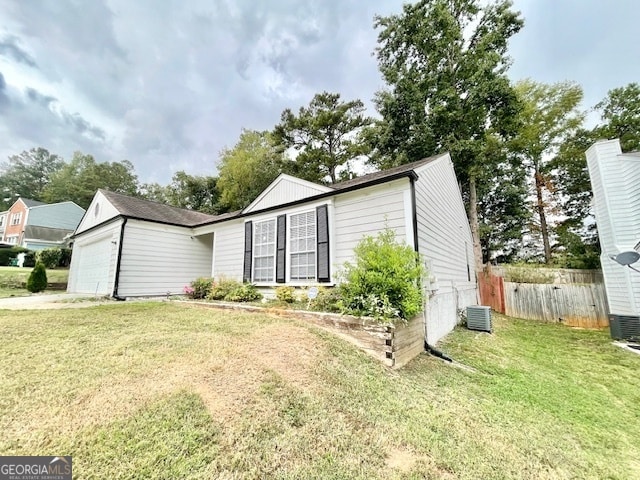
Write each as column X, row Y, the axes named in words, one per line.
column 11, row 279
column 162, row 391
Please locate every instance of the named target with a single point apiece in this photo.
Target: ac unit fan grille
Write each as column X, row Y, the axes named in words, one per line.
column 479, row 318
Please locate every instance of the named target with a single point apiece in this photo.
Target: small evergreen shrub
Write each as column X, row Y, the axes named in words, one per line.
column 245, row 292
column 37, row 281
column 286, row 294
column 201, row 288
column 222, row 288
column 327, row 300
column 385, row 280
column 49, row 257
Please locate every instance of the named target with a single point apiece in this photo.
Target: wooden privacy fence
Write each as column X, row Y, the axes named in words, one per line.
column 491, row 289
column 574, row 305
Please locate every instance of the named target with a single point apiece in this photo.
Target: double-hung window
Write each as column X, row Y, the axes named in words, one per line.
column 16, row 218
column 302, row 246
column 264, row 251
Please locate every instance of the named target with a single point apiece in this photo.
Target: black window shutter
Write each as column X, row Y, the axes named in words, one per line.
column 322, row 238
column 248, row 250
column 281, row 243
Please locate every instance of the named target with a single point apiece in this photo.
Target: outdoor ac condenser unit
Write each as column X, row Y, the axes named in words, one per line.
column 479, row 318
column 624, row 327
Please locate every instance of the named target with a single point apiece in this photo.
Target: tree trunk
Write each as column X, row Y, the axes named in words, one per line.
column 544, row 230
column 475, row 225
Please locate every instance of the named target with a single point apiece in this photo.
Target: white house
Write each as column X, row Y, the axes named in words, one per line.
column 295, row 233
column 615, row 178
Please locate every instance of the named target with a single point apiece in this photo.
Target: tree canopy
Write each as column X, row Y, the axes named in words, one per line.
column 445, row 64
column 79, row 180
column 27, row 174
column 325, row 136
column 247, row 169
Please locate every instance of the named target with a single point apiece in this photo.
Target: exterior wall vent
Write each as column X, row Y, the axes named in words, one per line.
column 479, row 318
column 624, row 327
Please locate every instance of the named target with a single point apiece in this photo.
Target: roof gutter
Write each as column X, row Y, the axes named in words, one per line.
column 119, row 261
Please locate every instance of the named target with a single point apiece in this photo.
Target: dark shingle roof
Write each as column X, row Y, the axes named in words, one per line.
column 31, row 203
column 46, row 233
column 156, row 212
column 383, row 174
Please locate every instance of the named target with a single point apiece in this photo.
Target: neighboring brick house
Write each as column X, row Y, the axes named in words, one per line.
column 37, row 225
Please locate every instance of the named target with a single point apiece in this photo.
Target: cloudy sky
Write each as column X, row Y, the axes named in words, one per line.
column 168, row 84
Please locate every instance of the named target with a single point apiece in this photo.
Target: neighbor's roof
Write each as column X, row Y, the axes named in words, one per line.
column 31, row 203
column 157, row 212
column 47, row 234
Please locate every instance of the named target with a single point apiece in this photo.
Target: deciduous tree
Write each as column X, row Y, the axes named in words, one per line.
column 27, row 174
column 550, row 116
column 445, row 65
column 247, row 169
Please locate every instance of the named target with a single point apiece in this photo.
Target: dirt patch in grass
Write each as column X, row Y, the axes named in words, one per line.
column 226, row 379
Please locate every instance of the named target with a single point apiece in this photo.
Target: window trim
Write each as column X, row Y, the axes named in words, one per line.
column 16, row 218
column 271, row 220
column 314, row 251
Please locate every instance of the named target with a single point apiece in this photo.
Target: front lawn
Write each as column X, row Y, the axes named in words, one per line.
column 156, row 390
column 11, row 279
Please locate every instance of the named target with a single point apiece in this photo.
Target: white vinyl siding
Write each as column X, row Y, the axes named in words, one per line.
column 302, row 246
column 98, row 212
column 161, row 259
column 367, row 212
column 264, row 251
column 228, row 250
column 285, row 189
column 445, row 243
column 616, row 207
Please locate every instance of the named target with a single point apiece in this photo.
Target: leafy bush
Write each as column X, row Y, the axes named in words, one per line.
column 327, row 300
column 201, row 287
column 286, row 294
column 49, row 257
column 246, row 292
column 37, row 280
column 7, row 254
column 385, row 281
column 29, row 259
column 222, row 288
column 65, row 258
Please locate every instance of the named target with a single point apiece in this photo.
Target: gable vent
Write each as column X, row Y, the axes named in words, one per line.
column 479, row 318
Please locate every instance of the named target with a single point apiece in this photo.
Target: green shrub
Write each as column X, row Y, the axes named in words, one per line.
column 385, row 281
column 222, row 288
column 49, row 257
column 327, row 300
column 37, row 280
column 8, row 254
column 29, row 259
column 286, row 294
column 246, row 292
column 200, row 287
column 65, row 258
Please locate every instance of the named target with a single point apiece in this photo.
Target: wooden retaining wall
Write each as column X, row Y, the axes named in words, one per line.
column 574, row 305
column 394, row 346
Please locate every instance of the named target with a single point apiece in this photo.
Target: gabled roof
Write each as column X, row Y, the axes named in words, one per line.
column 31, row 203
column 156, row 212
column 379, row 177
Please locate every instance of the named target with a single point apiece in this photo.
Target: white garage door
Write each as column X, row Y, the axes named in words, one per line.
column 94, row 266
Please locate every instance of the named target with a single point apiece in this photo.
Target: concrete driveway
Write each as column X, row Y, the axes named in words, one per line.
column 51, row 301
